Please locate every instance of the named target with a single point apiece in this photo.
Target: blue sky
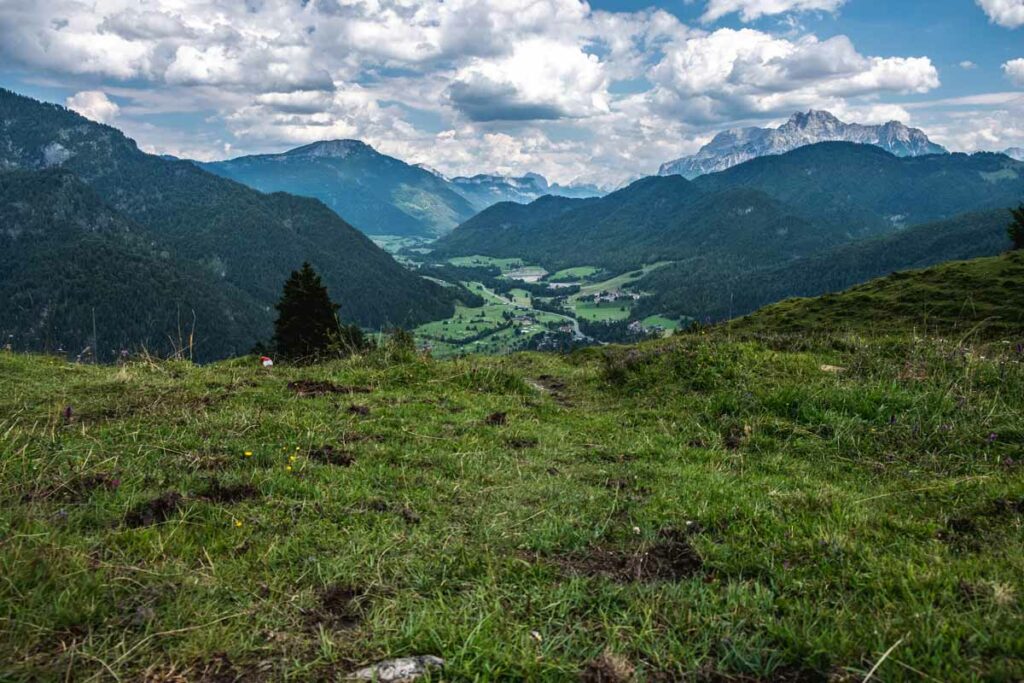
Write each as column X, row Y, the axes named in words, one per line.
column 599, row 92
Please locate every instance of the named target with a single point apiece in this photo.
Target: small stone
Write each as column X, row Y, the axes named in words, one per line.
column 397, row 670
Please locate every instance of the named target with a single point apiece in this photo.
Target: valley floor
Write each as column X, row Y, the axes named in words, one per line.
column 699, row 508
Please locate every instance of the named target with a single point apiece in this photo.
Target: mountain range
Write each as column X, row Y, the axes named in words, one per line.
column 376, row 193
column 487, row 190
column 772, row 208
column 243, row 242
column 738, row 145
column 382, row 195
column 818, row 218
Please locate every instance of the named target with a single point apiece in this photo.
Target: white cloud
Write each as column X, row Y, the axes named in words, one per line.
column 1014, row 70
column 1008, row 13
column 540, row 79
column 732, row 74
column 93, row 104
column 466, row 86
column 750, row 10
column 968, row 65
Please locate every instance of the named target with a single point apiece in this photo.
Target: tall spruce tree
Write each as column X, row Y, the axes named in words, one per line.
column 1016, row 229
column 307, row 322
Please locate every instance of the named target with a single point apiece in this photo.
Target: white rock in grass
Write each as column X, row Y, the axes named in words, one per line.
column 397, row 670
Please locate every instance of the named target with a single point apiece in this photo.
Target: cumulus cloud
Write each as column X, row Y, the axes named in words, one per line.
column 1008, row 13
column 750, row 10
column 540, row 79
column 735, row 74
column 1014, row 70
column 93, row 104
column 968, row 65
column 465, row 86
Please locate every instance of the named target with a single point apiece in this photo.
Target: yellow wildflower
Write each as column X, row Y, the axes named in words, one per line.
column 248, row 454
column 238, row 523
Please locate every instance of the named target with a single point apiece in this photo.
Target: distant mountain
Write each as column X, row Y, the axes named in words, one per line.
column 486, row 190
column 700, row 290
column 654, row 219
column 1015, row 153
column 981, row 297
column 77, row 274
column 240, row 237
column 738, row 145
column 775, row 207
column 378, row 194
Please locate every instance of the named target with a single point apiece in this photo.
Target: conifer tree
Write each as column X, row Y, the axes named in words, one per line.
column 307, row 321
column 1016, row 229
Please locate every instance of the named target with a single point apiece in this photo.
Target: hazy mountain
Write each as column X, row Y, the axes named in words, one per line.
column 738, row 145
column 376, row 193
column 813, row 197
column 486, row 190
column 1015, row 153
column 237, row 235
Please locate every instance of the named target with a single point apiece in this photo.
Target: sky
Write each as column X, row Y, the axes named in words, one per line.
column 600, row 92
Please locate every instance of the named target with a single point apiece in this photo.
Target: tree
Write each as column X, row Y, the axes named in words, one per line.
column 307, row 322
column 1016, row 229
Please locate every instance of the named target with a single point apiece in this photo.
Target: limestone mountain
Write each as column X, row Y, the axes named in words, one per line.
column 737, row 145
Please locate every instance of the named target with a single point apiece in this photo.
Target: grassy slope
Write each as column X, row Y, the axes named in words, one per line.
column 835, row 515
column 986, row 295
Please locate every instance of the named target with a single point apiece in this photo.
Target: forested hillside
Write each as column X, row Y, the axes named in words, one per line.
column 654, row 219
column 76, row 274
column 696, row 288
column 769, row 209
column 245, row 238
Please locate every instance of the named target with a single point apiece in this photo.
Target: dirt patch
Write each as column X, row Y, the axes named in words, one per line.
column 671, row 558
column 409, row 515
column 340, row 606
column 554, row 387
column 75, row 490
column 497, row 419
column 329, row 455
column 735, row 436
column 307, row 388
column 155, row 511
column 218, row 492
column 356, row 437
column 362, row 411
column 608, row 668
column 523, row 442
column 977, row 531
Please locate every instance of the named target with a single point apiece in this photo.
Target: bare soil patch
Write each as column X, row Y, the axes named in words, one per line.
column 307, row 388
column 155, row 511
column 329, row 455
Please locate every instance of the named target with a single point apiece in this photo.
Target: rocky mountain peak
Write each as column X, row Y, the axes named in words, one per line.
column 737, row 145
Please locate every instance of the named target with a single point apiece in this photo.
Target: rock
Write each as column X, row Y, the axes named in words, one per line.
column 397, row 670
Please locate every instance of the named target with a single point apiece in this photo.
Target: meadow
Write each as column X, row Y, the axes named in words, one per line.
column 700, row 508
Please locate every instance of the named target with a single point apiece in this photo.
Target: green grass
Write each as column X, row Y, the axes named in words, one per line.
column 618, row 281
column 669, row 324
column 604, row 311
column 978, row 297
column 574, row 274
column 505, row 264
column 697, row 507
